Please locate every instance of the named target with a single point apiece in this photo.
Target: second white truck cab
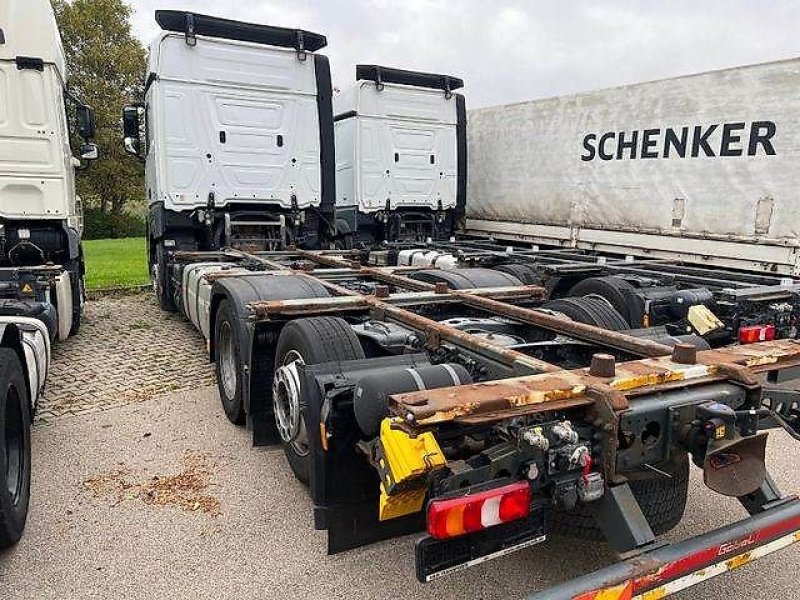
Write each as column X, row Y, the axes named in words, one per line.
column 41, row 218
column 236, row 135
column 400, row 155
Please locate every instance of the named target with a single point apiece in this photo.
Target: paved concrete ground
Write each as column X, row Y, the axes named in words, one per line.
column 128, row 350
column 164, row 498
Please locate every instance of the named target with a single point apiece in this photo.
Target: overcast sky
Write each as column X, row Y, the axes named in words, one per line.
column 516, row 50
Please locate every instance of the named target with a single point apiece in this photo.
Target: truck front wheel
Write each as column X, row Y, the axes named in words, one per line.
column 305, row 342
column 15, row 448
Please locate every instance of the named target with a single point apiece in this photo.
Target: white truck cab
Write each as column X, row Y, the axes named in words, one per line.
column 400, row 155
column 236, row 135
column 41, row 219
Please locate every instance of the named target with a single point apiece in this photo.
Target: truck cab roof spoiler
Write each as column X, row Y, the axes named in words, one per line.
column 381, row 75
column 193, row 24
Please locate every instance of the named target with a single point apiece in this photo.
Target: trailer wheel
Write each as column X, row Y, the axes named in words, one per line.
column 462, row 279
column 661, row 499
column 305, row 341
column 165, row 299
column 15, row 448
column 591, row 310
column 525, row 273
column 228, row 360
column 619, row 293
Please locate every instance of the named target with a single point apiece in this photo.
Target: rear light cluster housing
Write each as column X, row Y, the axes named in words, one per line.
column 756, row 333
column 454, row 517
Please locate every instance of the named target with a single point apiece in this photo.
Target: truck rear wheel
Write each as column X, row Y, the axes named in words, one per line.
column 662, row 500
column 591, row 310
column 228, row 361
column 15, row 448
column 305, row 342
column 619, row 293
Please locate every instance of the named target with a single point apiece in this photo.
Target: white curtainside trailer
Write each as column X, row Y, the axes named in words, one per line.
column 698, row 168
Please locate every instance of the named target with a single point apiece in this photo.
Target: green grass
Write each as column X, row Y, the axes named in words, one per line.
column 115, row 263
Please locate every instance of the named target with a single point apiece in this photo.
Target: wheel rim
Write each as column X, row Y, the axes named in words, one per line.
column 227, row 362
column 287, row 405
column 14, row 444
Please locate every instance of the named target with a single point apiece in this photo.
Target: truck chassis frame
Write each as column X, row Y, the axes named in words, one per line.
column 522, row 385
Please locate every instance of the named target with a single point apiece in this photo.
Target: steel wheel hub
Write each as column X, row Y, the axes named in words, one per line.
column 287, row 403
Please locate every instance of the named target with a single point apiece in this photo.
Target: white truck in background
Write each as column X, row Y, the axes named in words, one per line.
column 41, row 261
column 236, row 135
column 400, row 156
column 698, row 168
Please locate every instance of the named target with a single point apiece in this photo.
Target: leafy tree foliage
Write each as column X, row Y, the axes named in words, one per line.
column 105, row 65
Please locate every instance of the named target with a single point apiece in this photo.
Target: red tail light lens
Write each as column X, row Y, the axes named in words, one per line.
column 474, row 512
column 756, row 333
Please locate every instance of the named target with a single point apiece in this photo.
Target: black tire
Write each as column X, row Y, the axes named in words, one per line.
column 163, row 291
column 525, row 273
column 619, row 293
column 462, row 279
column 228, row 364
column 77, row 304
column 590, row 310
column 316, row 340
column 662, row 500
column 15, row 448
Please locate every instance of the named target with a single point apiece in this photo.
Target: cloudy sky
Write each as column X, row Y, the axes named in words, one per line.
column 508, row 51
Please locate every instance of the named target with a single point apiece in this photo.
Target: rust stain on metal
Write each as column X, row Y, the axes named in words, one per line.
column 497, row 400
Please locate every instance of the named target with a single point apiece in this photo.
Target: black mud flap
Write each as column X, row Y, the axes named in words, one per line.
column 344, row 487
column 437, row 558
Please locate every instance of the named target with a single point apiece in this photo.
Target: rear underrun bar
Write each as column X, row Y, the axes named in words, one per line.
column 669, row 569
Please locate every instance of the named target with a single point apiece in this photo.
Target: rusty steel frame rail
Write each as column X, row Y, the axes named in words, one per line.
column 495, row 400
column 561, row 325
column 436, row 332
column 311, row 306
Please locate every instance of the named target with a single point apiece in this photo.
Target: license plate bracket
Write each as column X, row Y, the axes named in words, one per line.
column 437, row 558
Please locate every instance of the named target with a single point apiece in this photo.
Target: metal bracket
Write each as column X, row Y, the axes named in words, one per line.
column 620, row 518
column 189, row 35
column 300, row 46
column 764, row 498
column 448, row 93
column 378, row 80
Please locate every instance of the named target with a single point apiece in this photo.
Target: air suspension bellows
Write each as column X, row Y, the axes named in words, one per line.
column 370, row 398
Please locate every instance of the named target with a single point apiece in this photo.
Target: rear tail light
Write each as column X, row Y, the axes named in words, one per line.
column 756, row 333
column 474, row 512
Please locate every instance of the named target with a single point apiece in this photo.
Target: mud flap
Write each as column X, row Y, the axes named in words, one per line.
column 736, row 467
column 344, row 487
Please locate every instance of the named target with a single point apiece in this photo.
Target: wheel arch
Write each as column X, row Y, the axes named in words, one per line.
column 11, row 337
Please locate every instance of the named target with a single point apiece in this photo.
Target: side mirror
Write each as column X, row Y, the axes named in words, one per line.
column 90, row 152
column 86, row 124
column 132, row 145
column 132, row 128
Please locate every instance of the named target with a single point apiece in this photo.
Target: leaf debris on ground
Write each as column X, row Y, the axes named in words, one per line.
column 186, row 489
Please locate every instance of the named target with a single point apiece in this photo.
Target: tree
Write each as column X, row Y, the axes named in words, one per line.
column 106, row 65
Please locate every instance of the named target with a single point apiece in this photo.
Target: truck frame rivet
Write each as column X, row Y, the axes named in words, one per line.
column 603, row 365
column 684, row 354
